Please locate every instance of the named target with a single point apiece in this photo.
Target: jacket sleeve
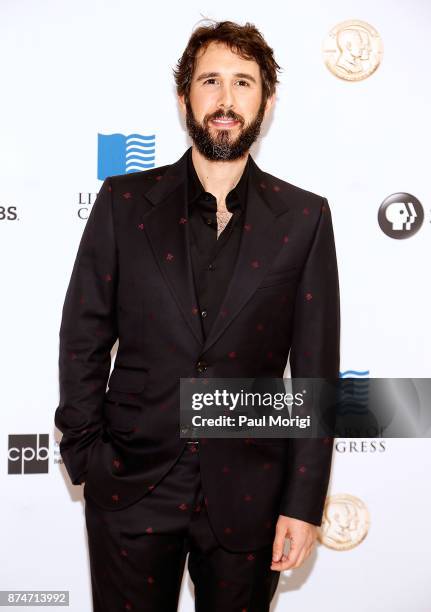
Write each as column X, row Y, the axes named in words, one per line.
column 314, row 353
column 87, row 333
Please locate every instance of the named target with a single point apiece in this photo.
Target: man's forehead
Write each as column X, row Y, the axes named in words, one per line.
column 218, row 55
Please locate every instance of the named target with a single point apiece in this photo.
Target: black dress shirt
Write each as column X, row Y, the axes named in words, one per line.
column 213, row 258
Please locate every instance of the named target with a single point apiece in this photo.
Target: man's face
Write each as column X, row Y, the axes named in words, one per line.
column 224, row 111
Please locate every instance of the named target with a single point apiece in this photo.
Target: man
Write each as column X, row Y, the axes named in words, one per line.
column 208, row 267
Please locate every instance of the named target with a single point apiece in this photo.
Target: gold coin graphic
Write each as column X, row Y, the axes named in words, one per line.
column 353, row 50
column 345, row 523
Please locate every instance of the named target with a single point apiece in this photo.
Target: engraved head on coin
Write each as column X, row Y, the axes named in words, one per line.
column 353, row 50
column 345, row 522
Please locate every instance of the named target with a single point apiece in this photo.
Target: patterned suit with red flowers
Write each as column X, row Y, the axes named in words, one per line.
column 132, row 280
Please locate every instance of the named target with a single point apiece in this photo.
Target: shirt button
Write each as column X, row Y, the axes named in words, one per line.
column 211, row 267
column 204, row 313
column 201, row 366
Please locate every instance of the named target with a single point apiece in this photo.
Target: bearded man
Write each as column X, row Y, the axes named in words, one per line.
column 206, row 267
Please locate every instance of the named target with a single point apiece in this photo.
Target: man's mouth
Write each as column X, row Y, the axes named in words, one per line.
column 224, row 123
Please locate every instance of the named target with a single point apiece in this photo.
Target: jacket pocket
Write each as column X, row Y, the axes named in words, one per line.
column 280, row 277
column 128, row 381
column 125, row 396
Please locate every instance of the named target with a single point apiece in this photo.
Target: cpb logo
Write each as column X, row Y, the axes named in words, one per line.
column 28, row 454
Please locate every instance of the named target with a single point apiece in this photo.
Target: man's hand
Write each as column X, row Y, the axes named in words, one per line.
column 302, row 537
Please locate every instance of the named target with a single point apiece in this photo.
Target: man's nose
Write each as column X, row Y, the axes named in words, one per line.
column 226, row 100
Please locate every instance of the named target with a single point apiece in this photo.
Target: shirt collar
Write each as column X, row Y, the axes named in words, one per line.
column 235, row 199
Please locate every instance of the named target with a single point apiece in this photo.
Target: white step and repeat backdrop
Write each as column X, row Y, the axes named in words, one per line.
column 75, row 73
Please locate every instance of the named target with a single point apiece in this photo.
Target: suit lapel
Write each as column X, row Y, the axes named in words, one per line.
column 167, row 228
column 261, row 240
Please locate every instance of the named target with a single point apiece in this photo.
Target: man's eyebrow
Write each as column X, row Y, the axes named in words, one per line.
column 241, row 75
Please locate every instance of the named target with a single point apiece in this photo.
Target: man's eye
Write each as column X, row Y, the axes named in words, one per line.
column 211, row 81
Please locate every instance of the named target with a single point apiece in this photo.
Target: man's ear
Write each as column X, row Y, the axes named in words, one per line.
column 182, row 103
column 269, row 103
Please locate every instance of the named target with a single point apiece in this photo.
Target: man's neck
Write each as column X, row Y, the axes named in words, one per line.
column 218, row 177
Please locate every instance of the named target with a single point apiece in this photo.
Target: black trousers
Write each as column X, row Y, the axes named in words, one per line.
column 137, row 555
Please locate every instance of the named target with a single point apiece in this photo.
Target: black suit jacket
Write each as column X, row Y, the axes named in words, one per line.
column 132, row 280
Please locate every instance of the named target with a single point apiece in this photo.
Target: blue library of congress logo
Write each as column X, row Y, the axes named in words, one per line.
column 120, row 154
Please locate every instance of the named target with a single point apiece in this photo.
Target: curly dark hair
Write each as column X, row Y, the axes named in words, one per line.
column 245, row 40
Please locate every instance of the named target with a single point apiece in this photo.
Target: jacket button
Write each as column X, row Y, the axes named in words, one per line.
column 201, row 366
column 105, row 435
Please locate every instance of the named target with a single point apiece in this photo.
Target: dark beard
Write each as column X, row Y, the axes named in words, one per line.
column 221, row 148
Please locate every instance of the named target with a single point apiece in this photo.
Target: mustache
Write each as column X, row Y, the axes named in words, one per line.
column 220, row 114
